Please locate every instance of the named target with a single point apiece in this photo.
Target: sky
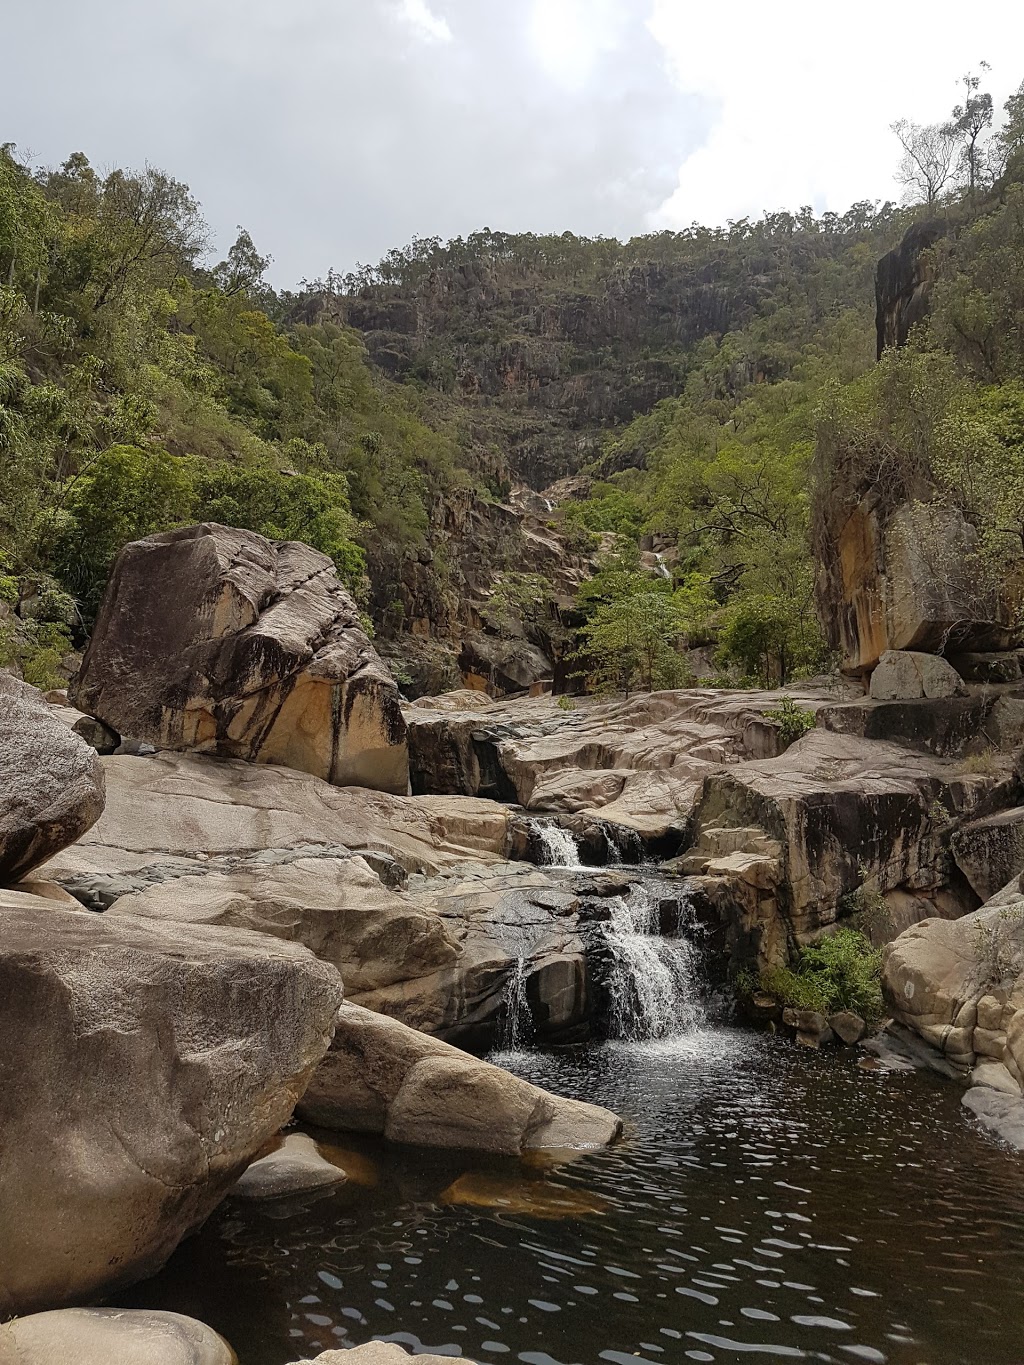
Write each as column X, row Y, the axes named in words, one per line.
column 334, row 130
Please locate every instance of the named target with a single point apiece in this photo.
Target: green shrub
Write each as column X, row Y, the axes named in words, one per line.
column 792, row 720
column 842, row 972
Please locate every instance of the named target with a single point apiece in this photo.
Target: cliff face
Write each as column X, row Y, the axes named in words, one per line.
column 903, row 280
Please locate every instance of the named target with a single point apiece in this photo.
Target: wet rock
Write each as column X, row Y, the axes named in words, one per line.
column 523, row 1196
column 996, row 1077
column 378, row 1353
column 51, row 782
column 295, row 1167
column 382, row 1077
column 812, row 1029
column 220, row 641
column 195, row 840
column 848, row 1027
column 990, row 852
column 903, row 675
column 111, row 1336
column 1000, row 1114
column 104, row 1175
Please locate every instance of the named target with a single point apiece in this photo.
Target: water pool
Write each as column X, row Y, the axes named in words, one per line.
column 767, row 1204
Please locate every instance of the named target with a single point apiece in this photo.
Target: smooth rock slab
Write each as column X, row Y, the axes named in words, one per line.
column 383, row 1077
column 51, row 782
column 296, row 1167
column 143, row 1066
column 111, row 1336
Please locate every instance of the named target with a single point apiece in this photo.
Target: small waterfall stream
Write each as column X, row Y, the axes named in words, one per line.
column 653, row 985
column 557, row 846
column 517, row 1021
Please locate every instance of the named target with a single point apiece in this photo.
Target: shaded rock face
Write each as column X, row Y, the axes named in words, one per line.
column 903, row 280
column 52, row 783
column 382, row 1077
column 144, row 1065
column 781, row 843
column 901, row 577
column 220, row 641
column 111, row 1336
column 990, row 852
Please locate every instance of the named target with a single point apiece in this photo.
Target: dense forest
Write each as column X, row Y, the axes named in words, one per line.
column 680, row 396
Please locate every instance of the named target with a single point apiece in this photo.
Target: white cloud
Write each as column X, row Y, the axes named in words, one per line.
column 424, row 22
column 806, row 95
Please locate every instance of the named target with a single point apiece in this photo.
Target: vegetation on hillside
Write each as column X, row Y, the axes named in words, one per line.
column 692, row 377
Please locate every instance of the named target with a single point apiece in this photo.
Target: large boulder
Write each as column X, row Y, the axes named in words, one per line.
column 382, row 1077
column 111, row 1336
column 959, row 985
column 51, row 782
column 220, row 641
column 906, row 675
column 144, row 1065
column 836, row 824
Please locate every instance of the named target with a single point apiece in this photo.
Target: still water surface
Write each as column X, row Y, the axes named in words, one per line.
column 768, row 1204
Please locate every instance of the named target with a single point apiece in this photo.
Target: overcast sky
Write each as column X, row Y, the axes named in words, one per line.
column 336, row 129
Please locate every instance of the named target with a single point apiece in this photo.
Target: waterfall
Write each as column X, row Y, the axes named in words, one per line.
column 558, row 847
column 652, row 986
column 517, row 1021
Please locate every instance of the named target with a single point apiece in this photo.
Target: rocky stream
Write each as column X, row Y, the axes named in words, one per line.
column 336, row 1023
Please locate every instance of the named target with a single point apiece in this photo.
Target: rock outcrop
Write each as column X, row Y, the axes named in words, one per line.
column 111, row 1336
column 382, row 1077
column 959, row 984
column 783, row 844
column 144, row 1065
column 903, row 281
column 637, row 763
column 51, row 782
column 901, row 575
column 219, row 641
column 413, row 899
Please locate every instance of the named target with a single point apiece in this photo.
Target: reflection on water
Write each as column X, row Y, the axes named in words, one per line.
column 767, row 1204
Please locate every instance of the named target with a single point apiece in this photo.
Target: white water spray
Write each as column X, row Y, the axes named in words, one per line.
column 517, row 1021
column 558, row 847
column 653, row 982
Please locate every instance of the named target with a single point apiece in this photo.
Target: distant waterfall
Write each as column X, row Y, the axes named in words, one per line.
column 558, row 847
column 653, row 984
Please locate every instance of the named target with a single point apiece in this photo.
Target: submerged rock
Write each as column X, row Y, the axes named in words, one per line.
column 294, row 1167
column 382, row 1077
column 379, row 1353
column 143, row 1066
column 220, row 641
column 111, row 1336
column 51, row 782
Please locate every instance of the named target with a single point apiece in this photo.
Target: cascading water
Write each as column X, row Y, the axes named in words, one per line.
column 558, row 847
column 653, row 989
column 517, row 1022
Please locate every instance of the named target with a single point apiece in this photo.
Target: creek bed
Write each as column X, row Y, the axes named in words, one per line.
column 768, row 1204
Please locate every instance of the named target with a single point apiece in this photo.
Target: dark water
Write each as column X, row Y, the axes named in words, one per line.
column 768, row 1204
